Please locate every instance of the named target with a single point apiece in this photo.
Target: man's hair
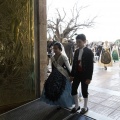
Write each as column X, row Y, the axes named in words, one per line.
column 81, row 37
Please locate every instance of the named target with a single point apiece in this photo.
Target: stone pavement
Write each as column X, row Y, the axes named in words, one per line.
column 104, row 93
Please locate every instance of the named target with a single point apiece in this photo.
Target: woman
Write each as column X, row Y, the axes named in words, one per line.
column 105, row 57
column 115, row 53
column 57, row 88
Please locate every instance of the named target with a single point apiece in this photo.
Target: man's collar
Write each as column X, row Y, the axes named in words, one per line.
column 81, row 48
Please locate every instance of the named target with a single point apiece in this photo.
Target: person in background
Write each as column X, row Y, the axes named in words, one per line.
column 69, row 48
column 115, row 53
column 98, row 50
column 106, row 57
column 50, row 44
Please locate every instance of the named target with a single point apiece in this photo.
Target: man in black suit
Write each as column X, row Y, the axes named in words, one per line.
column 82, row 71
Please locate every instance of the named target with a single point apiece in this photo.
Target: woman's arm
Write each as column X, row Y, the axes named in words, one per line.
column 67, row 64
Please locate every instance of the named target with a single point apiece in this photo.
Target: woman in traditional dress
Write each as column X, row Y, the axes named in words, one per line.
column 57, row 88
column 105, row 57
column 115, row 53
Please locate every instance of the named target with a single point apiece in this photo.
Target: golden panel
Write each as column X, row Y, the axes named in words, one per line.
column 16, row 51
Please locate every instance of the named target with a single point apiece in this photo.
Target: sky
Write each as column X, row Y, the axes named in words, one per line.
column 107, row 23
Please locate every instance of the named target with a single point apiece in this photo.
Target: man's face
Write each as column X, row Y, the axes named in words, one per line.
column 80, row 43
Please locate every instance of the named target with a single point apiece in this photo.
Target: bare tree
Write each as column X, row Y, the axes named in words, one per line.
column 64, row 27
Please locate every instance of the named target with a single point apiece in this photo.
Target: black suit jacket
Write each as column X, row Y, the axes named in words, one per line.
column 87, row 64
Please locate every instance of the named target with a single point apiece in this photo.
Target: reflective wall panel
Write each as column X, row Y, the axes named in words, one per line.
column 16, row 51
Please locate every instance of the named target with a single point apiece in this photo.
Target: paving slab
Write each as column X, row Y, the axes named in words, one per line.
column 111, row 104
column 102, row 110
column 96, row 99
column 115, row 115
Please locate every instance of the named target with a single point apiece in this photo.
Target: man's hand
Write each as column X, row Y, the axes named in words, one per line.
column 87, row 81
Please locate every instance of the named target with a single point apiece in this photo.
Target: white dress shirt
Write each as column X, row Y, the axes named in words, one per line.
column 80, row 53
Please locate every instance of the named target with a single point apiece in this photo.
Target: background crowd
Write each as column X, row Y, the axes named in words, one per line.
column 105, row 53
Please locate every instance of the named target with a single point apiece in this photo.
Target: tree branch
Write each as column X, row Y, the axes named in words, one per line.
column 71, row 26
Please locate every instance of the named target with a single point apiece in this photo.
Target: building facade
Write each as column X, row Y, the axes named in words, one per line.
column 23, row 58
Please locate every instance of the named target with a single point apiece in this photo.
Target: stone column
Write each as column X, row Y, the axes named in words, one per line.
column 42, row 42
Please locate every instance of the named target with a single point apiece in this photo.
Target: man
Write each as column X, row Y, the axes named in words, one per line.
column 82, row 71
column 69, row 49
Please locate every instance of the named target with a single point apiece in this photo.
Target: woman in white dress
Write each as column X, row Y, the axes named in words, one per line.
column 57, row 88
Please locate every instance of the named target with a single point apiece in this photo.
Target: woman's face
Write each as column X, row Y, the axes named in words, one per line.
column 80, row 43
column 56, row 49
